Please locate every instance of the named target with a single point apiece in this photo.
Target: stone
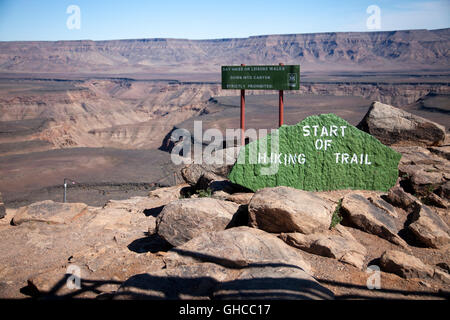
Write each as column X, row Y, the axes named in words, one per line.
column 428, row 227
column 393, row 126
column 421, row 171
column 168, row 193
column 422, row 179
column 240, row 197
column 193, row 282
column 399, row 198
column 441, row 276
column 444, row 190
column 319, row 153
column 405, row 265
column 136, row 214
column 237, row 248
column 272, row 283
column 434, row 200
column 370, row 218
column 284, row 209
column 383, row 205
column 443, row 152
column 218, row 165
column 214, row 183
column 2, row 207
column 110, row 264
column 184, row 219
column 338, row 244
column 50, row 212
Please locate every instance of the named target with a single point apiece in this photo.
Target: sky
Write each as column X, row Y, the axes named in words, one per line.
column 208, row 19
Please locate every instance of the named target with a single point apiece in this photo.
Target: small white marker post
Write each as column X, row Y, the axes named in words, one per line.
column 65, row 188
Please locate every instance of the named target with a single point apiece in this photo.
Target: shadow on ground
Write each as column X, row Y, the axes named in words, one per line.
column 147, row 286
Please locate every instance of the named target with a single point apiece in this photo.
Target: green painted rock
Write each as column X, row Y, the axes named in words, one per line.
column 320, row 153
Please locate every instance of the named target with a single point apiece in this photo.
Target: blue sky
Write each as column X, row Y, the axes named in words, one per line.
column 105, row 20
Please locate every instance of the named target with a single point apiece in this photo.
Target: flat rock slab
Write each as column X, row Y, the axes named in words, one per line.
column 394, row 126
column 237, row 248
column 184, row 219
column 272, row 283
column 404, row 265
column 319, row 153
column 203, row 281
column 370, row 218
column 337, row 243
column 284, row 209
column 50, row 212
column 196, row 281
column 429, row 228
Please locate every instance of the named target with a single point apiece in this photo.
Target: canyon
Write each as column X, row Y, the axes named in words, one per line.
column 82, row 109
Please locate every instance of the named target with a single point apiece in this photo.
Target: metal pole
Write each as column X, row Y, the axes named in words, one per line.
column 65, row 189
column 280, row 105
column 242, row 117
column 242, row 114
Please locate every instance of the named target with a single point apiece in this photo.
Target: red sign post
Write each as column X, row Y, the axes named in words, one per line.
column 280, row 105
column 262, row 77
column 242, row 114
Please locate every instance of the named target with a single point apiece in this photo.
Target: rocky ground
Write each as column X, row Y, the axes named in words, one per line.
column 210, row 239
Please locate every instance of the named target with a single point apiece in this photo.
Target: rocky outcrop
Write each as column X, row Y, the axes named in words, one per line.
column 203, row 281
column 184, row 219
column 393, row 126
column 337, row 243
column 404, row 265
column 408, row 267
column 371, row 218
column 216, row 166
column 50, row 212
column 422, row 172
column 428, row 227
column 444, row 190
column 285, row 209
column 272, row 283
column 399, row 198
column 237, row 248
column 196, row 281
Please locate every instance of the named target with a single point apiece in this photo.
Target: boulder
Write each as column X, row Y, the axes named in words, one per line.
column 422, row 179
column 428, row 227
column 168, row 194
column 218, row 165
column 184, row 219
column 444, row 190
column 434, row 200
column 337, row 243
column 194, row 282
column 2, row 207
column 134, row 215
column 294, row 156
column 50, row 212
column 237, row 248
column 393, row 126
column 285, row 209
column 399, row 198
column 272, row 283
column 404, row 265
column 370, row 218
